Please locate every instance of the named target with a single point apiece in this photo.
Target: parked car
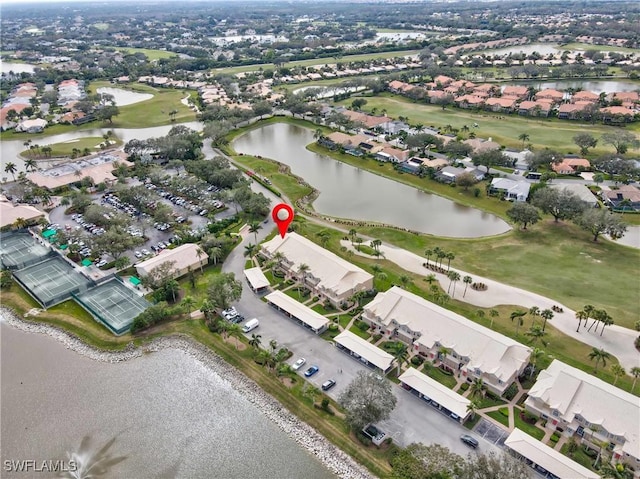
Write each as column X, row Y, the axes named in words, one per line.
column 328, row 384
column 298, row 364
column 469, row 441
column 311, row 371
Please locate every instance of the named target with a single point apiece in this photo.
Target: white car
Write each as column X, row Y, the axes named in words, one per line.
column 299, row 363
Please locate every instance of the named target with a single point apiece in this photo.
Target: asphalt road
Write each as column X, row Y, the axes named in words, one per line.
column 412, row 421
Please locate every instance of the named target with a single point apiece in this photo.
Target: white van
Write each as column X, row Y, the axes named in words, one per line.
column 251, row 325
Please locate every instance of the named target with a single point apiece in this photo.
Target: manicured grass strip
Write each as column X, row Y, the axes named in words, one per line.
column 359, row 332
column 497, row 415
column 439, row 375
column 149, row 53
column 66, row 148
column 530, row 429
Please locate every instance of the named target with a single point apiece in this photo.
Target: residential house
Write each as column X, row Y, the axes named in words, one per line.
column 511, row 189
column 585, row 96
column 32, row 126
column 570, row 111
column 469, row 101
column 581, row 191
column 448, row 174
column 571, row 166
column 502, row 104
column 188, row 256
column 447, row 339
column 534, row 108
column 519, row 92
column 618, row 114
column 443, row 81
column 628, row 194
column 577, row 404
column 550, row 94
column 481, row 145
column 328, row 276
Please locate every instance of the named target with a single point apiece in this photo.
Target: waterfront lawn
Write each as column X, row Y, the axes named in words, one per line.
column 505, row 129
column 66, row 148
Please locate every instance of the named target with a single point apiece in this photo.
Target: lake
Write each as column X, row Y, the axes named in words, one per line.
column 170, row 415
column 596, row 86
column 124, row 97
column 6, row 67
column 349, row 192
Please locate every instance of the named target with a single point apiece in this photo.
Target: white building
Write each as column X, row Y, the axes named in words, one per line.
column 186, row 256
column 458, row 344
column 297, row 311
column 576, row 403
column 328, row 276
column 512, row 190
column 364, row 351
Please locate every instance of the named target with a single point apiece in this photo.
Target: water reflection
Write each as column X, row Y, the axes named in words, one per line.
column 353, row 193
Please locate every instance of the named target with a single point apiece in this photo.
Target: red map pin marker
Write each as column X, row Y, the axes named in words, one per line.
column 282, row 214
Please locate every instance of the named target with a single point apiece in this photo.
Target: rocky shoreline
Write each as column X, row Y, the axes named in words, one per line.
column 333, row 458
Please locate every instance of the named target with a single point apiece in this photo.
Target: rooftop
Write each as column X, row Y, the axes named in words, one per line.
column 298, row 310
column 431, row 388
column 368, row 351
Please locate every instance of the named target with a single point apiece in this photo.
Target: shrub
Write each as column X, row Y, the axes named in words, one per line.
column 636, row 326
column 365, row 440
column 464, row 387
column 511, row 392
column 504, row 411
column 362, row 326
column 376, row 337
column 555, row 437
column 417, row 360
column 333, row 327
column 590, row 452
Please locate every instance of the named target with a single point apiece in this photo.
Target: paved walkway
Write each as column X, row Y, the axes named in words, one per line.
column 616, row 339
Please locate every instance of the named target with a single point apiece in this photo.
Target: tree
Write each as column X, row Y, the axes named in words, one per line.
column 533, row 359
column 467, row 280
column 255, row 341
column 560, row 203
column 367, row 399
column 585, row 141
column 635, row 372
column 581, row 315
column 121, row 262
column 6, row 280
column 621, row 140
column 493, row 313
column 489, row 159
column 418, row 461
column 518, row 317
column 617, row 371
column 250, row 250
column 600, row 221
column 454, row 277
column 352, row 234
column 254, row 227
column 29, row 164
column 10, row 168
column 478, row 388
column 401, row 355
column 536, row 334
column 223, row 290
column 523, row 213
column 523, row 137
column 465, row 180
column 547, row 315
column 600, row 356
column 450, row 257
column 494, row 466
column 598, row 178
column 106, row 113
column 188, row 303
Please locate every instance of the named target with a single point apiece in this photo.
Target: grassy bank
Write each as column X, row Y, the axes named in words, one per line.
column 504, row 129
column 66, row 148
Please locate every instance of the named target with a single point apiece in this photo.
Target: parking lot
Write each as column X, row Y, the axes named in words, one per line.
column 491, row 433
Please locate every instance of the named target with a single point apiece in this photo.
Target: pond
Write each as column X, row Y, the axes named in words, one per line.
column 7, row 67
column 596, row 86
column 124, row 97
column 349, row 192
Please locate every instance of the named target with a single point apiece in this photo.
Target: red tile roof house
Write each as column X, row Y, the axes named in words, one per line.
column 584, row 96
column 519, row 92
column 368, row 120
column 397, row 86
column 624, row 96
column 505, row 105
column 571, row 166
column 443, row 80
column 469, row 101
column 618, row 114
column 550, row 94
column 534, row 108
column 569, row 111
column 435, row 95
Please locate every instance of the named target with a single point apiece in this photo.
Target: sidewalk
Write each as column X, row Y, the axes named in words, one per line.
column 616, row 339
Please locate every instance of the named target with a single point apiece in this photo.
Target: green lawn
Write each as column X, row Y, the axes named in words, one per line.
column 579, row 456
column 600, row 48
column 358, row 332
column 436, row 373
column 66, row 148
column 530, row 429
column 317, row 61
column 504, row 129
column 499, row 417
column 199, row 293
column 152, row 112
column 150, row 54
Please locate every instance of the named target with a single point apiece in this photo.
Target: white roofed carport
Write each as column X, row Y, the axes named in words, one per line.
column 256, row 278
column 365, row 350
column 432, row 389
column 554, row 462
column 314, row 321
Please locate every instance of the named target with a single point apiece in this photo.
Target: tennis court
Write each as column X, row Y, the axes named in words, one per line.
column 51, row 281
column 21, row 249
column 113, row 304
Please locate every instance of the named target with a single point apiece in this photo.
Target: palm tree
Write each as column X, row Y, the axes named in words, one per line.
column 606, row 320
column 480, row 313
column 254, row 227
column 199, row 254
column 324, row 237
column 302, row 274
column 533, row 359
column 376, row 269
column 524, row 137
column 635, row 372
column 601, row 356
column 255, row 341
column 617, row 371
column 449, row 256
column 250, row 250
column 401, row 355
column 352, row 234
column 441, row 255
column 454, row 277
column 375, row 244
column 311, row 392
column 273, row 344
column 188, row 303
column 547, row 314
column 534, row 311
column 467, row 280
column 472, row 407
column 19, row 223
column 436, row 254
column 581, row 315
column 477, row 389
column 518, row 316
column 589, row 310
column 236, row 331
column 10, row 168
column 30, row 164
column 405, row 280
column 428, row 254
column 207, row 309
column 430, row 278
column 215, row 253
column 493, row 313
column 536, row 333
